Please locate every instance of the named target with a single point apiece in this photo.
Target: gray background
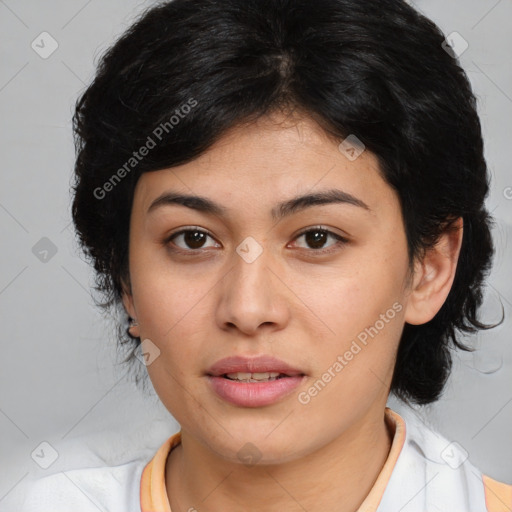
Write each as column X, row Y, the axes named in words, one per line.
column 60, row 380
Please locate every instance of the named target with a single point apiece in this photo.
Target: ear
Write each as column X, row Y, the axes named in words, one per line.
column 433, row 276
column 129, row 306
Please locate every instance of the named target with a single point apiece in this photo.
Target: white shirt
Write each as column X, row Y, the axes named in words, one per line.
column 424, row 472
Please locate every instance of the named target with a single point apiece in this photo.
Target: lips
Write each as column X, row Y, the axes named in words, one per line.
column 253, row 382
column 260, row 364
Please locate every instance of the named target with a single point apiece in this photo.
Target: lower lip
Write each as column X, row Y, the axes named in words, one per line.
column 254, row 394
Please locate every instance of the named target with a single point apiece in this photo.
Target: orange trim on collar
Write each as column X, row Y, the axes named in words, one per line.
column 153, row 493
column 498, row 495
column 397, row 425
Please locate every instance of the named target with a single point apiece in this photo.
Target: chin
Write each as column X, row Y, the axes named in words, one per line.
column 257, row 445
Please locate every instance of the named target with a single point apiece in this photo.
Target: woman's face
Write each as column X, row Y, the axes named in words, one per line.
column 245, row 281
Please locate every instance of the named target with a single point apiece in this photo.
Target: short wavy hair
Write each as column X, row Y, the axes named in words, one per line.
column 376, row 69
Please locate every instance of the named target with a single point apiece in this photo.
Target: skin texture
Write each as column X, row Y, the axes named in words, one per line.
column 292, row 303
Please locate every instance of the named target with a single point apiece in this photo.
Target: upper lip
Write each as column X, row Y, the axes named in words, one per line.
column 260, row 364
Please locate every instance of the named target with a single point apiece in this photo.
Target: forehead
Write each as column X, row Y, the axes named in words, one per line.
column 267, row 161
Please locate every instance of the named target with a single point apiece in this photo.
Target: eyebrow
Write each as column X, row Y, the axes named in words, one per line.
column 280, row 211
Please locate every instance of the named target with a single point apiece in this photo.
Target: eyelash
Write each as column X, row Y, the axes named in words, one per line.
column 341, row 241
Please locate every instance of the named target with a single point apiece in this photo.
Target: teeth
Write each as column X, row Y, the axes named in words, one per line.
column 253, row 377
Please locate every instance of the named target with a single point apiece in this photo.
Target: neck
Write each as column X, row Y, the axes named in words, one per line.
column 337, row 476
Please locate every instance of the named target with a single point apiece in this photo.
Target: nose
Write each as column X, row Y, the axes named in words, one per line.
column 253, row 296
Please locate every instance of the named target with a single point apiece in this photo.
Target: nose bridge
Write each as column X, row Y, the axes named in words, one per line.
column 250, row 296
column 250, row 273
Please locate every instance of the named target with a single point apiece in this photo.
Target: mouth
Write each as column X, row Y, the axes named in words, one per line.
column 253, row 382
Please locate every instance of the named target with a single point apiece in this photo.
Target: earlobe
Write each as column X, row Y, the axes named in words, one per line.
column 434, row 275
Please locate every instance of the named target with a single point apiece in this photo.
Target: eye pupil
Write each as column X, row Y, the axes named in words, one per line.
column 318, row 240
column 194, row 239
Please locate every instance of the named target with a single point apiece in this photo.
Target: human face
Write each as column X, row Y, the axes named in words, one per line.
column 307, row 300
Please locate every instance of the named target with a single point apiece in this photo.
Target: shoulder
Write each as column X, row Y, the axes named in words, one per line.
column 433, row 473
column 108, row 488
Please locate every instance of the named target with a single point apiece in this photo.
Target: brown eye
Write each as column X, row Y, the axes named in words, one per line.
column 316, row 238
column 189, row 239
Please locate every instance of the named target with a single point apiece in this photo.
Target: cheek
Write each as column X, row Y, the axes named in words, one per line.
column 352, row 365
column 346, row 302
column 362, row 318
column 167, row 297
column 173, row 317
